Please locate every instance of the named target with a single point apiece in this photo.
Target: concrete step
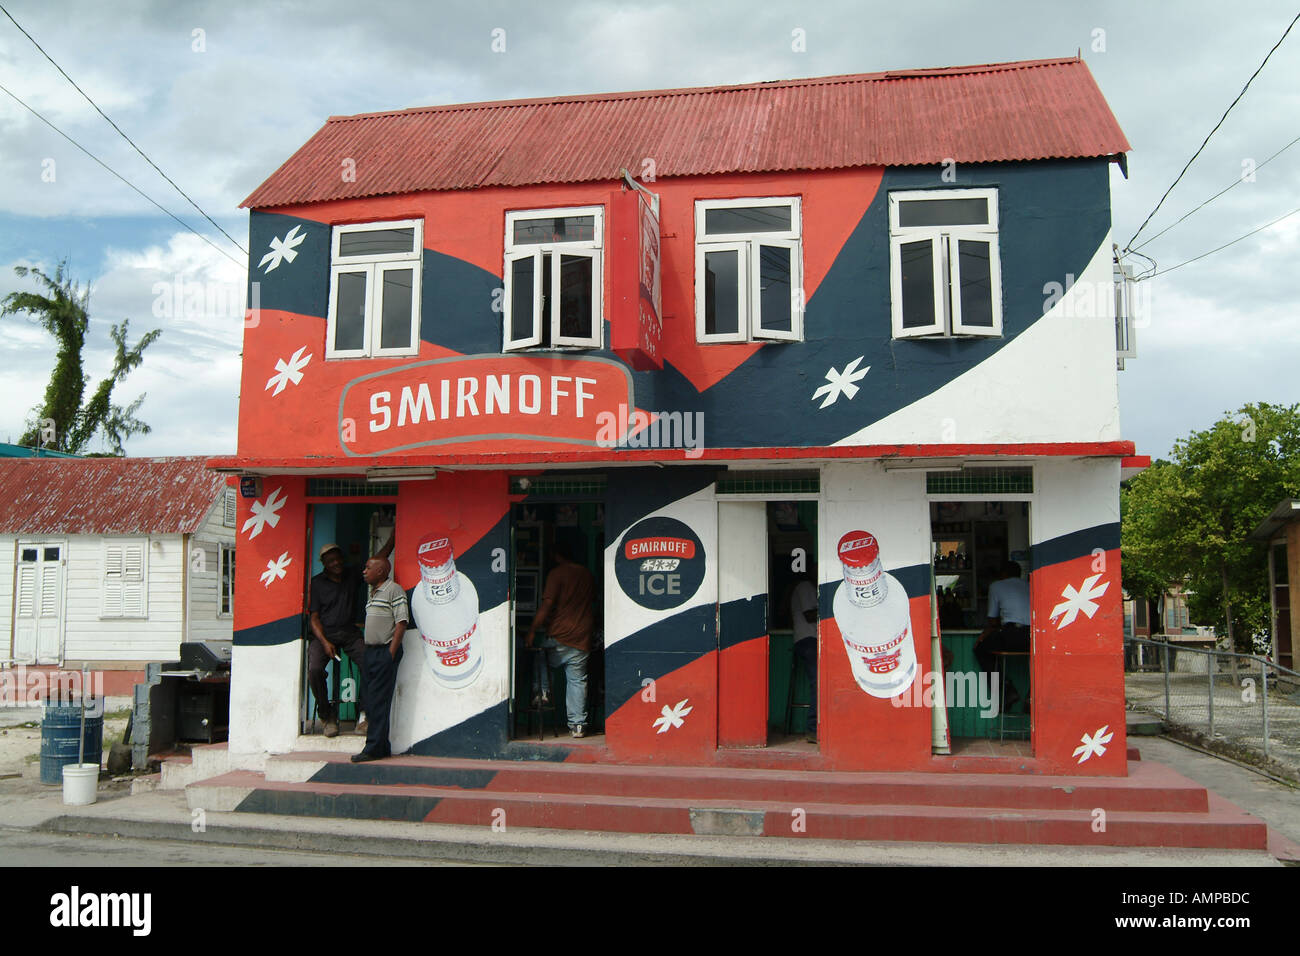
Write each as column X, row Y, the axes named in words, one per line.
column 1148, row 786
column 1221, row 825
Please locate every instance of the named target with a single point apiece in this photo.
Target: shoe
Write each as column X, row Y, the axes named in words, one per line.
column 536, row 702
column 546, row 698
column 811, row 737
column 364, row 757
column 331, row 728
column 578, row 730
column 362, row 727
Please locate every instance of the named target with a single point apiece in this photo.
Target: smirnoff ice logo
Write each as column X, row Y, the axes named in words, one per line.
column 660, row 563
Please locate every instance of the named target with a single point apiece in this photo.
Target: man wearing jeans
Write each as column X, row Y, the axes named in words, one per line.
column 568, row 605
column 803, row 616
column 387, row 617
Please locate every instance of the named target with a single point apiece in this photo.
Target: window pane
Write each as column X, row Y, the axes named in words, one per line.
column 373, row 242
column 51, row 554
column 555, row 229
column 521, row 301
column 729, row 221
column 395, row 319
column 721, row 284
column 575, row 296
column 976, row 287
column 774, row 271
column 29, row 554
column 943, row 212
column 350, row 312
column 918, row 284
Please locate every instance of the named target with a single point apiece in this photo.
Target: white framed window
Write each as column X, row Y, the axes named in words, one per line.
column 748, row 270
column 945, row 278
column 553, row 278
column 226, row 581
column 126, row 578
column 374, row 305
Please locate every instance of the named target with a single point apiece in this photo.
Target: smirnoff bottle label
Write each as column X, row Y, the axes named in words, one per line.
column 445, row 607
column 875, row 622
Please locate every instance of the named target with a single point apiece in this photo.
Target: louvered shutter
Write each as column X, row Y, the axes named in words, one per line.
column 228, row 518
column 133, row 558
column 26, row 590
column 113, row 567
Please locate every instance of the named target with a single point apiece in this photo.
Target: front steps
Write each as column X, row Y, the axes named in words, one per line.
column 1152, row 807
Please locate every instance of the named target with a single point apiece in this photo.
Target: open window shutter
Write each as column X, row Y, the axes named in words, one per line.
column 775, row 290
column 112, row 580
column 917, row 283
column 229, row 508
column 576, row 274
column 523, row 301
column 976, row 286
column 133, row 558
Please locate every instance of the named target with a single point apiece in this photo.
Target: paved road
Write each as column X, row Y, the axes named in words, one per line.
column 25, row 848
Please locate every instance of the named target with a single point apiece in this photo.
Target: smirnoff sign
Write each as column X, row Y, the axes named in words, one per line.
column 504, row 399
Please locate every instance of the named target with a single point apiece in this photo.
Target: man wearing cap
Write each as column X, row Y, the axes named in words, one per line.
column 333, row 610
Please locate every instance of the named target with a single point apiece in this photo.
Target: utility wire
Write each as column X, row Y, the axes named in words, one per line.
column 1129, row 244
column 1236, row 182
column 121, row 177
column 119, row 130
column 1226, row 244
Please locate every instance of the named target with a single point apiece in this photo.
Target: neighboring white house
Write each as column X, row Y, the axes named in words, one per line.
column 113, row 562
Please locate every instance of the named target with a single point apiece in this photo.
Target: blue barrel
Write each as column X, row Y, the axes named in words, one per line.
column 59, row 732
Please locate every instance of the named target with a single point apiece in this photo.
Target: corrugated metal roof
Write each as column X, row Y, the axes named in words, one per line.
column 1040, row 109
column 105, row 495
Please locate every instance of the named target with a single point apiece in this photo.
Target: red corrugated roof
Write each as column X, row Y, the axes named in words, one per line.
column 1040, row 109
column 105, row 495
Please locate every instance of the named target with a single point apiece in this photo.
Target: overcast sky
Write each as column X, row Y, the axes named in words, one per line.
column 220, row 94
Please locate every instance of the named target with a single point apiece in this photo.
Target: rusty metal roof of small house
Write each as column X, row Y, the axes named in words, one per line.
column 1028, row 110
column 106, row 495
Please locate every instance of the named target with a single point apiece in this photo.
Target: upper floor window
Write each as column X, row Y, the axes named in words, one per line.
column 375, row 289
column 944, row 274
column 553, row 278
column 748, row 270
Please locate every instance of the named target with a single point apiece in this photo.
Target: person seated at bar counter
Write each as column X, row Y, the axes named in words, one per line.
column 1007, row 628
column 333, row 609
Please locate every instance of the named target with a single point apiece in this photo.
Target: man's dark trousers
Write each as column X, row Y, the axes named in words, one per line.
column 381, row 678
column 350, row 641
column 1009, row 637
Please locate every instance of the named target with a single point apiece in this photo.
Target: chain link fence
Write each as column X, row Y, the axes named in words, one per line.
column 1241, row 700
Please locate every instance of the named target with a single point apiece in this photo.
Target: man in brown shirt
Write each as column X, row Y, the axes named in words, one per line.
column 568, row 604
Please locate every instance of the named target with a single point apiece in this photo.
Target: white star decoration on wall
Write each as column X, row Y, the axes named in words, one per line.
column 275, row 569
column 264, row 514
column 1076, row 601
column 1093, row 744
column 841, row 383
column 288, row 372
column 672, row 716
column 282, row 250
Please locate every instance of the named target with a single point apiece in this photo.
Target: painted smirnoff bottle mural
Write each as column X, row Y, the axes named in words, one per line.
column 445, row 607
column 871, row 611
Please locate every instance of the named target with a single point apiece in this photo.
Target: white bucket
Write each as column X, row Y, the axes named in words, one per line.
column 79, row 783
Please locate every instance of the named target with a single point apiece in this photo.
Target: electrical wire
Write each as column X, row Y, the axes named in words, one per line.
column 1236, row 182
column 119, row 130
column 1129, row 244
column 123, row 178
column 1226, row 244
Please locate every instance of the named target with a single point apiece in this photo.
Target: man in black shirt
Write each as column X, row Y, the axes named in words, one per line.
column 334, row 619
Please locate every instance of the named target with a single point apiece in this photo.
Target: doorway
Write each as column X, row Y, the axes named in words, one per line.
column 767, row 550
column 540, row 532
column 360, row 529
column 38, row 597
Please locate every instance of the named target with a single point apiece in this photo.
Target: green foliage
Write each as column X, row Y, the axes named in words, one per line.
column 65, row 314
column 1186, row 521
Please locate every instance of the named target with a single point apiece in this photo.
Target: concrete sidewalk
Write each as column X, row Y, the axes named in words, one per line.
column 165, row 815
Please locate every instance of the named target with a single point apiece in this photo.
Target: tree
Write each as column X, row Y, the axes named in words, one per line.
column 1186, row 521
column 65, row 314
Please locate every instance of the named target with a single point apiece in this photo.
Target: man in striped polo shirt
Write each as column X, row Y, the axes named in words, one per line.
column 387, row 617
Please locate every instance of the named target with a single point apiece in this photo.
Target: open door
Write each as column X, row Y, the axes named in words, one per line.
column 742, row 624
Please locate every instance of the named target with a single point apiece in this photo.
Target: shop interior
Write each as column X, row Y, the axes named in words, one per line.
column 791, row 556
column 970, row 543
column 537, row 528
column 360, row 530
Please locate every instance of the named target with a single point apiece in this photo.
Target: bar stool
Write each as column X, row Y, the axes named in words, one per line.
column 547, row 701
column 1002, row 690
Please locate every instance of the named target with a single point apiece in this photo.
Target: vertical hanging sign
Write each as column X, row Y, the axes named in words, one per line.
column 636, row 321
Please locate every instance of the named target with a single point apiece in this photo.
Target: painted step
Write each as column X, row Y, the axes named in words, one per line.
column 1149, row 786
column 1223, row 826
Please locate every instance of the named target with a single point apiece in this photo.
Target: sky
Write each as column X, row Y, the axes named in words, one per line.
column 218, row 95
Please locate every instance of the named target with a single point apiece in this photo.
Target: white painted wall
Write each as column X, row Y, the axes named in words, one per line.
column 206, row 623
column 263, row 702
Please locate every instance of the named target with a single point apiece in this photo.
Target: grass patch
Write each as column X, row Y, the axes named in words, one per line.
column 122, row 713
